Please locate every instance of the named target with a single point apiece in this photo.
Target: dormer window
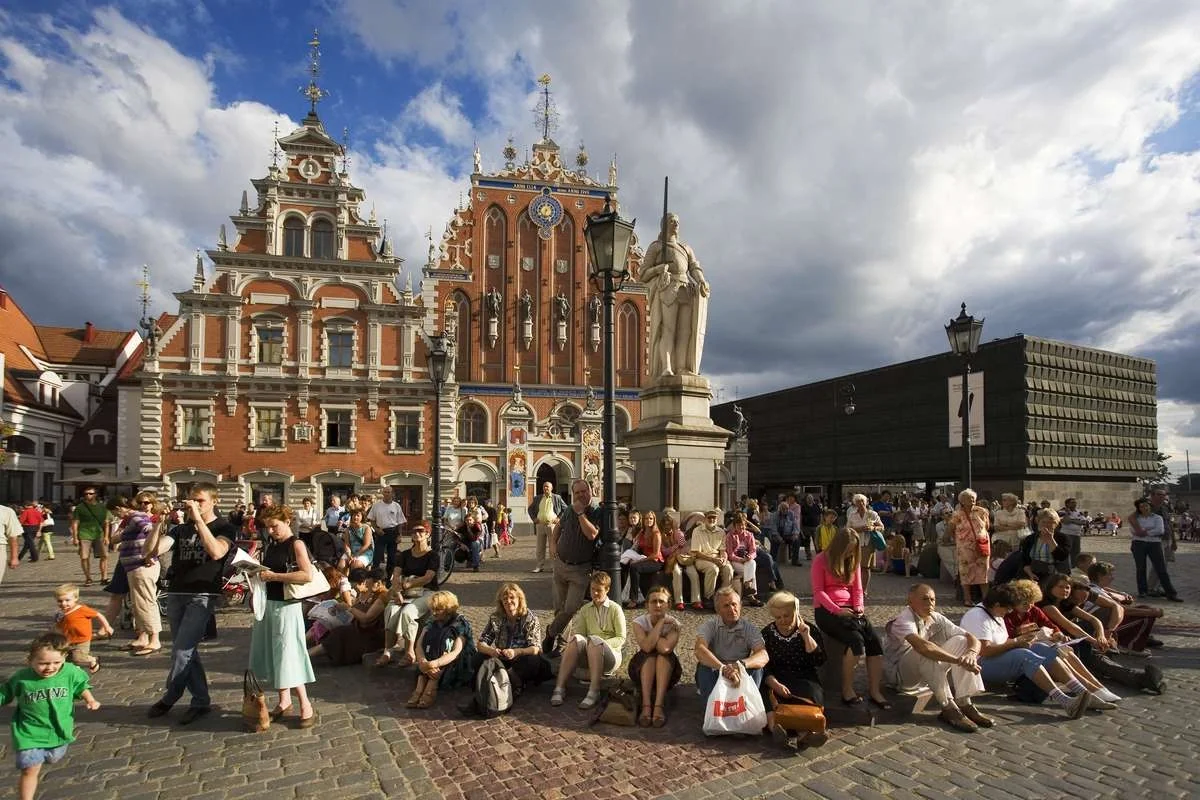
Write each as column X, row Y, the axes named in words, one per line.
column 293, row 237
column 322, row 239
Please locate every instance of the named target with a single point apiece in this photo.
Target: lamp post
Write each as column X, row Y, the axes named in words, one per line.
column 963, row 332
column 843, row 401
column 439, row 361
column 608, row 238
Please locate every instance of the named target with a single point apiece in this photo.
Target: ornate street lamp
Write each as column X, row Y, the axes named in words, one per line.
column 608, row 239
column 439, row 361
column 963, row 332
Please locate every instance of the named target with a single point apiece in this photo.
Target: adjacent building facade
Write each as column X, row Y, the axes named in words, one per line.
column 1059, row 420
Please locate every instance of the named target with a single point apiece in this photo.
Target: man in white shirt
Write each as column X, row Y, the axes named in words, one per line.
column 708, row 552
column 1072, row 525
column 924, row 648
column 10, row 533
column 387, row 518
column 333, row 514
column 545, row 511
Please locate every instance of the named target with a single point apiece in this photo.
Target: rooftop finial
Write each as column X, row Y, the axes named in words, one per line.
column 275, row 144
column 198, row 278
column 546, row 112
column 510, row 154
column 612, row 171
column 147, row 324
column 345, row 151
column 429, row 235
column 313, row 92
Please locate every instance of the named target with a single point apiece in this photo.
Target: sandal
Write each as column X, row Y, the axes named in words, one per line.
column 147, row 651
column 430, row 695
column 94, row 667
column 278, row 712
column 384, row 659
column 645, row 719
column 882, row 705
column 660, row 717
column 414, row 699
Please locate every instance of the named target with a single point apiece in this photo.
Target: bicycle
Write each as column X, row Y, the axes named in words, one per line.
column 449, row 548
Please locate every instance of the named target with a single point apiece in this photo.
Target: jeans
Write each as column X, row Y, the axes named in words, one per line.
column 475, row 552
column 188, row 616
column 385, row 550
column 706, row 679
column 1152, row 549
column 1012, row 665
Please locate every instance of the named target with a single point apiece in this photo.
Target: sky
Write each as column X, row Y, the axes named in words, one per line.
column 847, row 173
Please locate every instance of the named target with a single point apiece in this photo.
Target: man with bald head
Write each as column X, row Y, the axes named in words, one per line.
column 924, row 648
column 545, row 510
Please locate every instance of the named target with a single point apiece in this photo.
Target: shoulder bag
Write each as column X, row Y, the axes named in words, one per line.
column 316, row 585
column 255, row 717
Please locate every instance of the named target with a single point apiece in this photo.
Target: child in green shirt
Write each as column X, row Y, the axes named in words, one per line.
column 44, row 722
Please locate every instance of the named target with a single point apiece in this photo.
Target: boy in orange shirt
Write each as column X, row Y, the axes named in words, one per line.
column 74, row 621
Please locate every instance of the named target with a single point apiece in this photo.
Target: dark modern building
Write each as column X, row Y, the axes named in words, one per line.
column 1059, row 420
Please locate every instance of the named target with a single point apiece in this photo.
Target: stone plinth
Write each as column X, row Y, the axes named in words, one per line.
column 676, row 449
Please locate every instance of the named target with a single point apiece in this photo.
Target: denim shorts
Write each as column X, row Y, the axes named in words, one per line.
column 37, row 756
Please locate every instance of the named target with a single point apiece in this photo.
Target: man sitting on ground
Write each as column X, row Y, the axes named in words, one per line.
column 724, row 642
column 925, row 648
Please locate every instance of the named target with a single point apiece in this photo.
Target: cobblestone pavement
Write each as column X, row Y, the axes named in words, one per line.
column 367, row 745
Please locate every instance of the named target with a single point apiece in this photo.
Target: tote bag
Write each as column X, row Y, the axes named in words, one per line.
column 735, row 709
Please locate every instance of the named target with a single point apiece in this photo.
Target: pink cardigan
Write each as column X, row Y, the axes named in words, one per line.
column 831, row 592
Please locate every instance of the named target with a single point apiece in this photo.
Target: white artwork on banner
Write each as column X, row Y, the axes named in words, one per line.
column 958, row 410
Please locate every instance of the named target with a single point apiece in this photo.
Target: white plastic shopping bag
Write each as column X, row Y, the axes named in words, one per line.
column 735, row 709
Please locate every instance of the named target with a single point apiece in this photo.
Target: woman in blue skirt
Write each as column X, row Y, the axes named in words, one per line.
column 278, row 652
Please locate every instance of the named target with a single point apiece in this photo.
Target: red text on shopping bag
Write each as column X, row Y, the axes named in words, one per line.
column 729, row 708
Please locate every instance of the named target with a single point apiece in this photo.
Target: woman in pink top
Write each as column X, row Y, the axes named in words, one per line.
column 741, row 549
column 840, row 614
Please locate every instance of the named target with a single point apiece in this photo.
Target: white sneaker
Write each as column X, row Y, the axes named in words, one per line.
column 557, row 697
column 536, row 569
column 1106, row 695
column 1078, row 705
column 1099, row 703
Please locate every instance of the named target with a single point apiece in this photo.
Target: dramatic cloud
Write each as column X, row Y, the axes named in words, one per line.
column 846, row 179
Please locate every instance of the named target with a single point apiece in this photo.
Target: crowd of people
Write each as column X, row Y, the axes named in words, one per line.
column 1043, row 616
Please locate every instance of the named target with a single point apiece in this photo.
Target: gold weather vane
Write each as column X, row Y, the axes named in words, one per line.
column 545, row 113
column 313, row 92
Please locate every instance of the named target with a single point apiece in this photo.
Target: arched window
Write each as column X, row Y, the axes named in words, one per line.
column 293, row 237
column 322, row 239
column 21, row 445
column 629, row 340
column 621, row 420
column 493, row 237
column 472, row 424
column 462, row 347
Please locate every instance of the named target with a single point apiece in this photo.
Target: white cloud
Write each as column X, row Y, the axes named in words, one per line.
column 846, row 179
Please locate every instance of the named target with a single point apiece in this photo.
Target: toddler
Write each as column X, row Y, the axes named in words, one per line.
column 74, row 621
column 1000, row 551
column 44, row 722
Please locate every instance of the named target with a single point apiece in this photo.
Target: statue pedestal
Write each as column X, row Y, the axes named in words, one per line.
column 676, row 449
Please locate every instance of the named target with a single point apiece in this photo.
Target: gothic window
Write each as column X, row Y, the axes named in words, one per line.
column 293, row 237
column 494, row 231
column 462, row 346
column 564, row 246
column 322, row 239
column 628, row 344
column 472, row 424
column 270, row 345
column 341, row 349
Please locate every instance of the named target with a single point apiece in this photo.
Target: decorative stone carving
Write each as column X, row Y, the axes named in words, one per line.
column 678, row 295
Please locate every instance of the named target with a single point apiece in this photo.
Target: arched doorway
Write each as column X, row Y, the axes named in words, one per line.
column 545, row 473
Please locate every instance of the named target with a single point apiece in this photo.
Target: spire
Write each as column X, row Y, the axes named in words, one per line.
column 245, row 207
column 545, row 113
column 222, row 242
column 198, row 279
column 313, row 91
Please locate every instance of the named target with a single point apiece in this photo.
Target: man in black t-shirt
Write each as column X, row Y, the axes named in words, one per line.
column 203, row 548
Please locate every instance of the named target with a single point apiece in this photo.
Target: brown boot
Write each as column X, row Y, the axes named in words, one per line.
column 972, row 713
column 955, row 718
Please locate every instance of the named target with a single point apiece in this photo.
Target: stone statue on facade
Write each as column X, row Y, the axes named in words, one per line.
column 495, row 302
column 678, row 296
column 562, row 307
column 527, row 306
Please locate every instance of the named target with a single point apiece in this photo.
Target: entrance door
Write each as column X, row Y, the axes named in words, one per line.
column 480, row 490
column 257, row 490
column 342, row 490
column 547, row 473
column 411, row 501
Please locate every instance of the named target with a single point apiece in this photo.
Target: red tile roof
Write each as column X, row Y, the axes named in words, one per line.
column 67, row 345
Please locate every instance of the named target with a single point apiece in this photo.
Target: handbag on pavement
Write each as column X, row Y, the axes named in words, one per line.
column 255, row 716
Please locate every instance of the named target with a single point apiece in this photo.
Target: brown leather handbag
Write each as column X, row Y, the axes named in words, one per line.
column 255, row 716
column 801, row 718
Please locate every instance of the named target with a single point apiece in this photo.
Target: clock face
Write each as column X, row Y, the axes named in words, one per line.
column 545, row 210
